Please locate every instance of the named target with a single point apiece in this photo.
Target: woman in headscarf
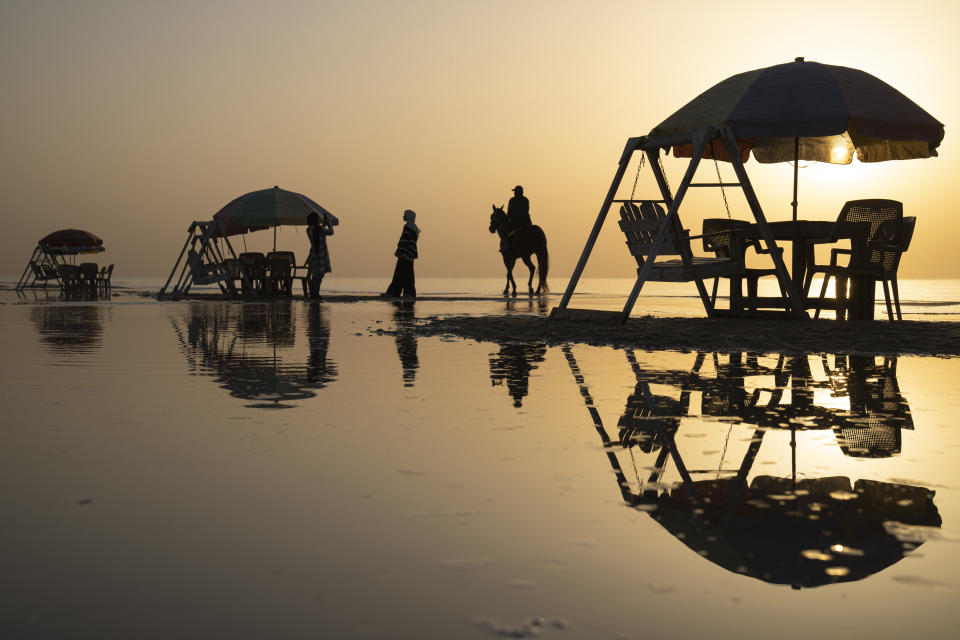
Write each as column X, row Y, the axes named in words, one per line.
column 403, row 279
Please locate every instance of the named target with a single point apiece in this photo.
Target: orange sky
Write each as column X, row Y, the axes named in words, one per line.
column 130, row 119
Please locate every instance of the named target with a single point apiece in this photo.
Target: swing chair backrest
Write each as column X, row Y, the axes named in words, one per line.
column 640, row 221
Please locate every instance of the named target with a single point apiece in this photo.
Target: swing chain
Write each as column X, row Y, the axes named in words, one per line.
column 643, row 157
column 723, row 192
column 663, row 173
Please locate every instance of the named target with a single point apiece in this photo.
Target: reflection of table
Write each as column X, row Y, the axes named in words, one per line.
column 804, row 235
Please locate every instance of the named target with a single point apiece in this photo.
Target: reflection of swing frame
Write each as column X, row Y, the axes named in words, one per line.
column 762, row 530
column 702, row 140
column 650, row 420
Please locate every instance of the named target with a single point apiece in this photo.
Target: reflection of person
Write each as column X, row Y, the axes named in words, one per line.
column 317, row 230
column 406, row 342
column 518, row 210
column 513, row 364
column 403, row 282
column 321, row 371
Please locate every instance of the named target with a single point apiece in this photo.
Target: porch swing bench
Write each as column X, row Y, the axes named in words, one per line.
column 641, row 220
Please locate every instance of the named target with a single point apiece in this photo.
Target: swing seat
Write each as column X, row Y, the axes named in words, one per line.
column 641, row 221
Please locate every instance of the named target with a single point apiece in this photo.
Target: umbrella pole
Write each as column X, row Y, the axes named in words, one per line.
column 796, row 168
column 794, row 217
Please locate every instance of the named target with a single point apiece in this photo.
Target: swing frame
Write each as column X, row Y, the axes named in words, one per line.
column 700, row 139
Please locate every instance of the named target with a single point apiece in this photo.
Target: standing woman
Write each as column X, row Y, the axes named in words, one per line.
column 319, row 262
column 403, row 281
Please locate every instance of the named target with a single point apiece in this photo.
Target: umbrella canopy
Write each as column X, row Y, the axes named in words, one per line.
column 832, row 112
column 268, row 208
column 804, row 533
column 71, row 241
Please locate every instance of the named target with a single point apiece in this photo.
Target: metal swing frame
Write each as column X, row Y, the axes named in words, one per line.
column 700, row 140
column 202, row 261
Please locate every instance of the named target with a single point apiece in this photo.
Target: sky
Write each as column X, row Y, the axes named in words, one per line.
column 131, row 119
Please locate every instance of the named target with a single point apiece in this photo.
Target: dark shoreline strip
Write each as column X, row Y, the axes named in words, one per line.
column 940, row 339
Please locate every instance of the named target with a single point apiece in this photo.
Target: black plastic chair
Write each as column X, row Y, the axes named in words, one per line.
column 868, row 252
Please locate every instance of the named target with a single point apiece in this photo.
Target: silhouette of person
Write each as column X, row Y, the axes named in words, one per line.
column 403, row 282
column 317, row 230
column 518, row 210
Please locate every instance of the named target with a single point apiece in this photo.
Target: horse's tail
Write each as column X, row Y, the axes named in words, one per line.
column 543, row 260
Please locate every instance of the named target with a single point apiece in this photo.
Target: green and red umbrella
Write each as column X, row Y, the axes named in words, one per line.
column 268, row 208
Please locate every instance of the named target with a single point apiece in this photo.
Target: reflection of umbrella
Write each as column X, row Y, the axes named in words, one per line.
column 805, row 111
column 268, row 208
column 819, row 533
column 71, row 241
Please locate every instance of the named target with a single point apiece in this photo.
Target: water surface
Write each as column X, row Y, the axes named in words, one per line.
column 293, row 469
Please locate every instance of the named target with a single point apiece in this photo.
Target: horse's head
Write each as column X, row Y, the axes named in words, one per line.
column 498, row 218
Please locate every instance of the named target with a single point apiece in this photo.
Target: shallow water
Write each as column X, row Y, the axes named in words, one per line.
column 208, row 469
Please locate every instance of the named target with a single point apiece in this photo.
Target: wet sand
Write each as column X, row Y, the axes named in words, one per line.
column 712, row 334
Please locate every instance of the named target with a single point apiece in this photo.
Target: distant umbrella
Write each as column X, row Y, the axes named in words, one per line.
column 805, row 111
column 72, row 241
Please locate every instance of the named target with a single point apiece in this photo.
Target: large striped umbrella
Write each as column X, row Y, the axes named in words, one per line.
column 268, row 208
column 805, row 111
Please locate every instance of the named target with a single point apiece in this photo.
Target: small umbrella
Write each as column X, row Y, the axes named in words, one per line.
column 806, row 111
column 71, row 241
column 268, row 208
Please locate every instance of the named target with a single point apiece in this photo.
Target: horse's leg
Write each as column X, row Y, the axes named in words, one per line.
column 509, row 266
column 529, row 263
column 513, row 262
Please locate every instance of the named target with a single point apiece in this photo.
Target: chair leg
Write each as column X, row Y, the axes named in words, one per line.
column 886, row 297
column 713, row 294
column 896, row 295
column 823, row 292
column 841, row 282
column 752, row 292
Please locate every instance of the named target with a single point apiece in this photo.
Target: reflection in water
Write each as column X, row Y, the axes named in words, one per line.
column 67, row 329
column 403, row 319
column 803, row 532
column 250, row 349
column 513, row 364
column 539, row 304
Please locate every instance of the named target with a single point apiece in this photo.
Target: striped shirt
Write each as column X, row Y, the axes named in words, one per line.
column 407, row 246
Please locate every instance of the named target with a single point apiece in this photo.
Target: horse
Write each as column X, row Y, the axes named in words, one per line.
column 521, row 244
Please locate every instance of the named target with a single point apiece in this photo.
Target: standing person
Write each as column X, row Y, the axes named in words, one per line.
column 317, row 230
column 518, row 209
column 403, row 281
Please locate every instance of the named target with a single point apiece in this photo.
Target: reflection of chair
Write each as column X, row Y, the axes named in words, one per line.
column 254, row 264
column 718, row 237
column 869, row 254
column 878, row 411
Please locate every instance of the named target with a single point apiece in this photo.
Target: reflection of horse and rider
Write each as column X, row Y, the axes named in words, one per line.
column 520, row 239
column 802, row 532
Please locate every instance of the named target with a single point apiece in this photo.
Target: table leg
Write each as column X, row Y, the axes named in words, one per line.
column 863, row 290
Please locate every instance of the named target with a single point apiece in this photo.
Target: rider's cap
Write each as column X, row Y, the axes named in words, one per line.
column 517, row 188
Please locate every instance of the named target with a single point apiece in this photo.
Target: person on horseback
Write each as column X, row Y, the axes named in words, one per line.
column 518, row 216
